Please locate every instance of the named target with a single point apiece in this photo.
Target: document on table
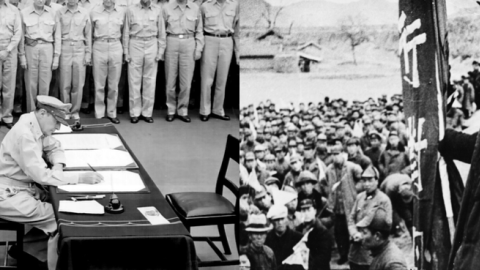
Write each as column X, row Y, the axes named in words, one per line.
column 81, row 207
column 103, row 158
column 63, row 129
column 89, row 141
column 153, row 215
column 113, row 181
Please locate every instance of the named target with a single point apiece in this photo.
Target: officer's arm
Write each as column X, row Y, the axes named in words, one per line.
column 126, row 31
column 57, row 40
column 17, row 32
column 199, row 39
column 236, row 34
column 33, row 165
column 162, row 34
column 21, row 46
column 88, row 38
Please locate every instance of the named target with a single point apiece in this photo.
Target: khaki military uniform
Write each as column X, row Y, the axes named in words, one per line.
column 88, row 94
column 143, row 41
column 107, row 57
column 40, row 50
column 221, row 29
column 76, row 51
column 22, row 165
column 10, row 35
column 184, row 40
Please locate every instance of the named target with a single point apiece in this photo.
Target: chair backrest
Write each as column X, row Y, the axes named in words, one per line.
column 231, row 152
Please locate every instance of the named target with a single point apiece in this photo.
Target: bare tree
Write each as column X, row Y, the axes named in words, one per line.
column 353, row 27
column 270, row 15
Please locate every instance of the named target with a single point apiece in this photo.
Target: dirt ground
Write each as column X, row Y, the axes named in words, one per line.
column 312, row 87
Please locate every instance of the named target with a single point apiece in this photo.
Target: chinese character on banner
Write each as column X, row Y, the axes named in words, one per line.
column 415, row 146
column 405, row 47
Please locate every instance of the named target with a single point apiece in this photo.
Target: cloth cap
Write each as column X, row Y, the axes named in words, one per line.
column 306, row 176
column 373, row 133
column 353, row 141
column 258, row 223
column 291, row 127
column 370, row 171
column 309, row 145
column 260, row 193
column 295, row 158
column 259, row 147
column 306, row 203
column 376, row 219
column 393, row 133
column 249, row 155
column 272, row 180
column 277, row 211
column 336, row 149
column 322, row 137
column 55, row 107
column 269, row 157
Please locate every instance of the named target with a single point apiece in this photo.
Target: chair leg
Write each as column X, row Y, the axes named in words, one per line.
column 20, row 234
column 223, row 237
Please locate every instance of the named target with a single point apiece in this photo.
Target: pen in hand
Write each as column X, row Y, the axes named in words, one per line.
column 101, row 180
column 91, row 167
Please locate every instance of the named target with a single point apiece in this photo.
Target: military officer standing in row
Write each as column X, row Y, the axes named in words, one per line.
column 40, row 49
column 10, row 35
column 184, row 26
column 220, row 23
column 143, row 46
column 107, row 21
column 76, row 54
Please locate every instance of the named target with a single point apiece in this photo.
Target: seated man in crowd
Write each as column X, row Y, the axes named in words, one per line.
column 282, row 239
column 261, row 257
column 296, row 165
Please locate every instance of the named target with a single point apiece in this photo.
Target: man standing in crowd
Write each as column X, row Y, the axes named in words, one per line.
column 184, row 26
column 144, row 46
column 220, row 23
column 76, row 54
column 259, row 255
column 10, row 35
column 375, row 229
column 354, row 154
column 342, row 178
column 40, row 50
column 359, row 257
column 107, row 22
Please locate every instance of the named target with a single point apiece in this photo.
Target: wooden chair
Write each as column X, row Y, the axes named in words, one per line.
column 211, row 208
column 19, row 229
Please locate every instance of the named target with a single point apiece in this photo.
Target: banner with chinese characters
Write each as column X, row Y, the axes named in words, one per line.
column 423, row 55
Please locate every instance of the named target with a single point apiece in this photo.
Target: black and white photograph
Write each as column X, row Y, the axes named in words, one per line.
column 358, row 125
column 119, row 134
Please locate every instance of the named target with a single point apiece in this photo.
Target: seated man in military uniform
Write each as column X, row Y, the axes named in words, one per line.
column 23, row 172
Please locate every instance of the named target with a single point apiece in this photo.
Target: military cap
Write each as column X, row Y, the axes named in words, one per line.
column 309, row 127
column 295, row 158
column 259, row 147
column 299, row 141
column 306, row 176
column 367, row 120
column 306, row 203
column 376, row 219
column 272, row 180
column 291, row 127
column 370, row 171
column 337, row 149
column 258, row 223
column 55, row 107
column 309, row 144
column 353, row 140
column 249, row 156
column 392, row 118
column 373, row 133
column 277, row 212
column 259, row 193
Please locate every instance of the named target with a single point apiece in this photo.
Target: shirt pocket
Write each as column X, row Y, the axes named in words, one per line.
column 152, row 23
column 210, row 19
column 48, row 26
column 173, row 22
column 228, row 18
column 191, row 22
column 80, row 23
column 31, row 27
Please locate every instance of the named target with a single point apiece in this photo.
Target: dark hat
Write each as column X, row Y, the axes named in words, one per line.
column 306, row 203
column 306, row 176
column 475, row 62
column 309, row 144
column 376, row 219
column 353, row 140
column 55, row 107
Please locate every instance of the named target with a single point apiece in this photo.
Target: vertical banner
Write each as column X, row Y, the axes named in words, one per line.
column 421, row 26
